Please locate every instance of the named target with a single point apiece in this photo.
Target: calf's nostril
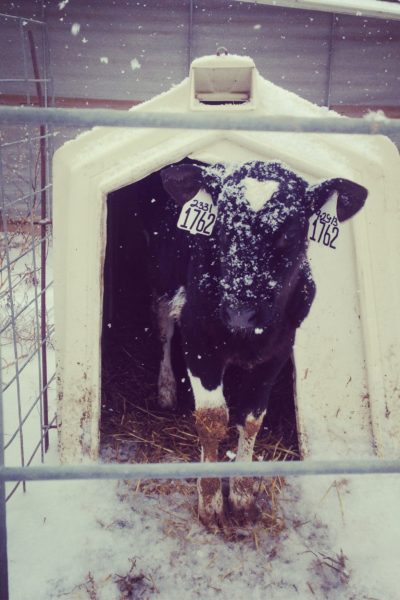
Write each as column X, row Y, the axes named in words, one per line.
column 239, row 318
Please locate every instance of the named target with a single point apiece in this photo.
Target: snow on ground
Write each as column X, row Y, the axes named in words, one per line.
column 24, row 356
column 102, row 540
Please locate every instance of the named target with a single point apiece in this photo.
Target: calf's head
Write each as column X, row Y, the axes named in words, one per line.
column 260, row 237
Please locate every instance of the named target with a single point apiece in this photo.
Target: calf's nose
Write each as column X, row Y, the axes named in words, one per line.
column 239, row 318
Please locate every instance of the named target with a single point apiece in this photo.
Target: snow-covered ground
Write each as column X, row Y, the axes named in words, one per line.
column 102, row 540
column 23, row 356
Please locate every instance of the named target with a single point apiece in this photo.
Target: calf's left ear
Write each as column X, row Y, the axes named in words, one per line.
column 182, row 181
column 351, row 197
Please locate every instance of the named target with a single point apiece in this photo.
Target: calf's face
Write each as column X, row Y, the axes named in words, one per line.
column 262, row 240
column 260, row 237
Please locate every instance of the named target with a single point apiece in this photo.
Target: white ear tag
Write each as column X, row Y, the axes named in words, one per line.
column 198, row 215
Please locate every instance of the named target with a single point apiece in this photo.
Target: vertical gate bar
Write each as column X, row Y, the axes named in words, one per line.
column 32, row 199
column 28, row 100
column 330, row 61
column 44, row 157
column 44, row 64
column 3, row 510
column 49, row 100
column 190, row 34
column 43, row 245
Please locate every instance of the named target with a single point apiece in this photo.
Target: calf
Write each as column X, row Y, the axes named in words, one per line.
column 239, row 288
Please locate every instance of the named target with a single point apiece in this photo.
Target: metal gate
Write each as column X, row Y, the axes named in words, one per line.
column 25, row 227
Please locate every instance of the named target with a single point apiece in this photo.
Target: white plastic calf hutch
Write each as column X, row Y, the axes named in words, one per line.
column 347, row 352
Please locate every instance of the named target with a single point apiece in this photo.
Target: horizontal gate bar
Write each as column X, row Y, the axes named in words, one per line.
column 374, row 124
column 188, row 470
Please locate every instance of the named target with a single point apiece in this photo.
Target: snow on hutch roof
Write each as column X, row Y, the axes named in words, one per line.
column 101, row 149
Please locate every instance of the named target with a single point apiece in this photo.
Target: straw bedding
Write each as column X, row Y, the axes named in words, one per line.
column 135, row 430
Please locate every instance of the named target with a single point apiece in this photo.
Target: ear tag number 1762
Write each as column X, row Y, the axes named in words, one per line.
column 198, row 215
column 324, row 229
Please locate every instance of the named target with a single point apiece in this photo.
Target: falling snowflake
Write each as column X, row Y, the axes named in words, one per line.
column 135, row 64
column 75, row 29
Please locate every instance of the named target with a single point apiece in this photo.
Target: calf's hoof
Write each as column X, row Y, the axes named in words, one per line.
column 211, row 504
column 242, row 501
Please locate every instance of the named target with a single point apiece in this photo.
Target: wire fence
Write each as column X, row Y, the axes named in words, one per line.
column 26, row 377
column 25, row 246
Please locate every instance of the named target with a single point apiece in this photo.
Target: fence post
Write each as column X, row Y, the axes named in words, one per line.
column 3, row 521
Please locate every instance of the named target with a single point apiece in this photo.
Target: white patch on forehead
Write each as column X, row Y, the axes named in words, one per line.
column 257, row 193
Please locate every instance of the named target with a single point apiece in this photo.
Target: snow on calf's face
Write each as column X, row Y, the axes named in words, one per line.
column 263, row 228
column 255, row 261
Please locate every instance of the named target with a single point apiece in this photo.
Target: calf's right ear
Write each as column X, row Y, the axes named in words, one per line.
column 351, row 197
column 182, row 182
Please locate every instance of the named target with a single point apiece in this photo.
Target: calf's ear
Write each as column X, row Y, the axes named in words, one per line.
column 182, row 182
column 351, row 197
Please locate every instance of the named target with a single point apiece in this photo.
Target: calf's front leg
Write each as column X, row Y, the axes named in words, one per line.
column 211, row 423
column 252, row 389
column 241, row 494
column 166, row 377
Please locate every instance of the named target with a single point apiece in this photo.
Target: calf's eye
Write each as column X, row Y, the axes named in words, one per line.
column 287, row 239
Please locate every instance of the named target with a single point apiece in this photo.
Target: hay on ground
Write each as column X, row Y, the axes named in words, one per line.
column 134, row 430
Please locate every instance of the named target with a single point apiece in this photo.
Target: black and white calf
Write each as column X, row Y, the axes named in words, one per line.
column 239, row 287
